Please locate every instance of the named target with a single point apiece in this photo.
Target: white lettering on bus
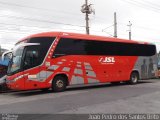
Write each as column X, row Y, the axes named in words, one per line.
column 107, row 60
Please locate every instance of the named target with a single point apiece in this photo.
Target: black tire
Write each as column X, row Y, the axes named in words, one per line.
column 134, row 78
column 59, row 84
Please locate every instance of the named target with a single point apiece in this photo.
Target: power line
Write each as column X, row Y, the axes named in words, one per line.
column 146, row 5
column 103, row 30
column 18, row 32
column 37, row 14
column 108, row 27
column 24, row 6
column 150, row 3
column 49, row 10
column 142, row 5
column 19, row 25
column 37, row 20
column 30, row 7
column 135, row 3
column 44, row 9
column 18, row 5
column 22, row 25
column 23, row 32
column 36, row 8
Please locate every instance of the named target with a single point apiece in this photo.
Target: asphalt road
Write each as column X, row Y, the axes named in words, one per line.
column 141, row 98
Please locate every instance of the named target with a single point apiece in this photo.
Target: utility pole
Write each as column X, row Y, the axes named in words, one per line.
column 115, row 25
column 87, row 17
column 130, row 30
column 87, row 9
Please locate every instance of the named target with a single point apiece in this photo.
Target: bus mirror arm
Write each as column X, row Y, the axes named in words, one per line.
column 25, row 45
column 5, row 53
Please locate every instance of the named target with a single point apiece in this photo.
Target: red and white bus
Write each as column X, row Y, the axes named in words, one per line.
column 59, row 59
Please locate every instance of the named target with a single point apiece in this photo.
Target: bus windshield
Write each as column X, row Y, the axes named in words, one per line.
column 29, row 54
column 15, row 63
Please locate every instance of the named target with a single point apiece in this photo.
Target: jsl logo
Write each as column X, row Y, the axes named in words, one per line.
column 109, row 60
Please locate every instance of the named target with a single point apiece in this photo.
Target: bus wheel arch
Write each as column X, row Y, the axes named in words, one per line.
column 134, row 77
column 60, row 82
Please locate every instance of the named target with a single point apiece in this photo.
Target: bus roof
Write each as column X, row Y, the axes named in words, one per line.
column 81, row 36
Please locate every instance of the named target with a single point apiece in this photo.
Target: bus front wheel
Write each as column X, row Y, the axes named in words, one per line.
column 134, row 78
column 59, row 84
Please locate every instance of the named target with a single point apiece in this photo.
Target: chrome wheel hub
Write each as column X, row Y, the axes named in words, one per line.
column 59, row 83
column 134, row 79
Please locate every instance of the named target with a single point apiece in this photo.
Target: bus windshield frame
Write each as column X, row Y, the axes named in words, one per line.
column 15, row 63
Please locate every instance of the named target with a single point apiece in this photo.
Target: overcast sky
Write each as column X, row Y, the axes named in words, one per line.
column 20, row 18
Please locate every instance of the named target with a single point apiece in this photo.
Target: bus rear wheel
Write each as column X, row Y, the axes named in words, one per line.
column 134, row 78
column 59, row 84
